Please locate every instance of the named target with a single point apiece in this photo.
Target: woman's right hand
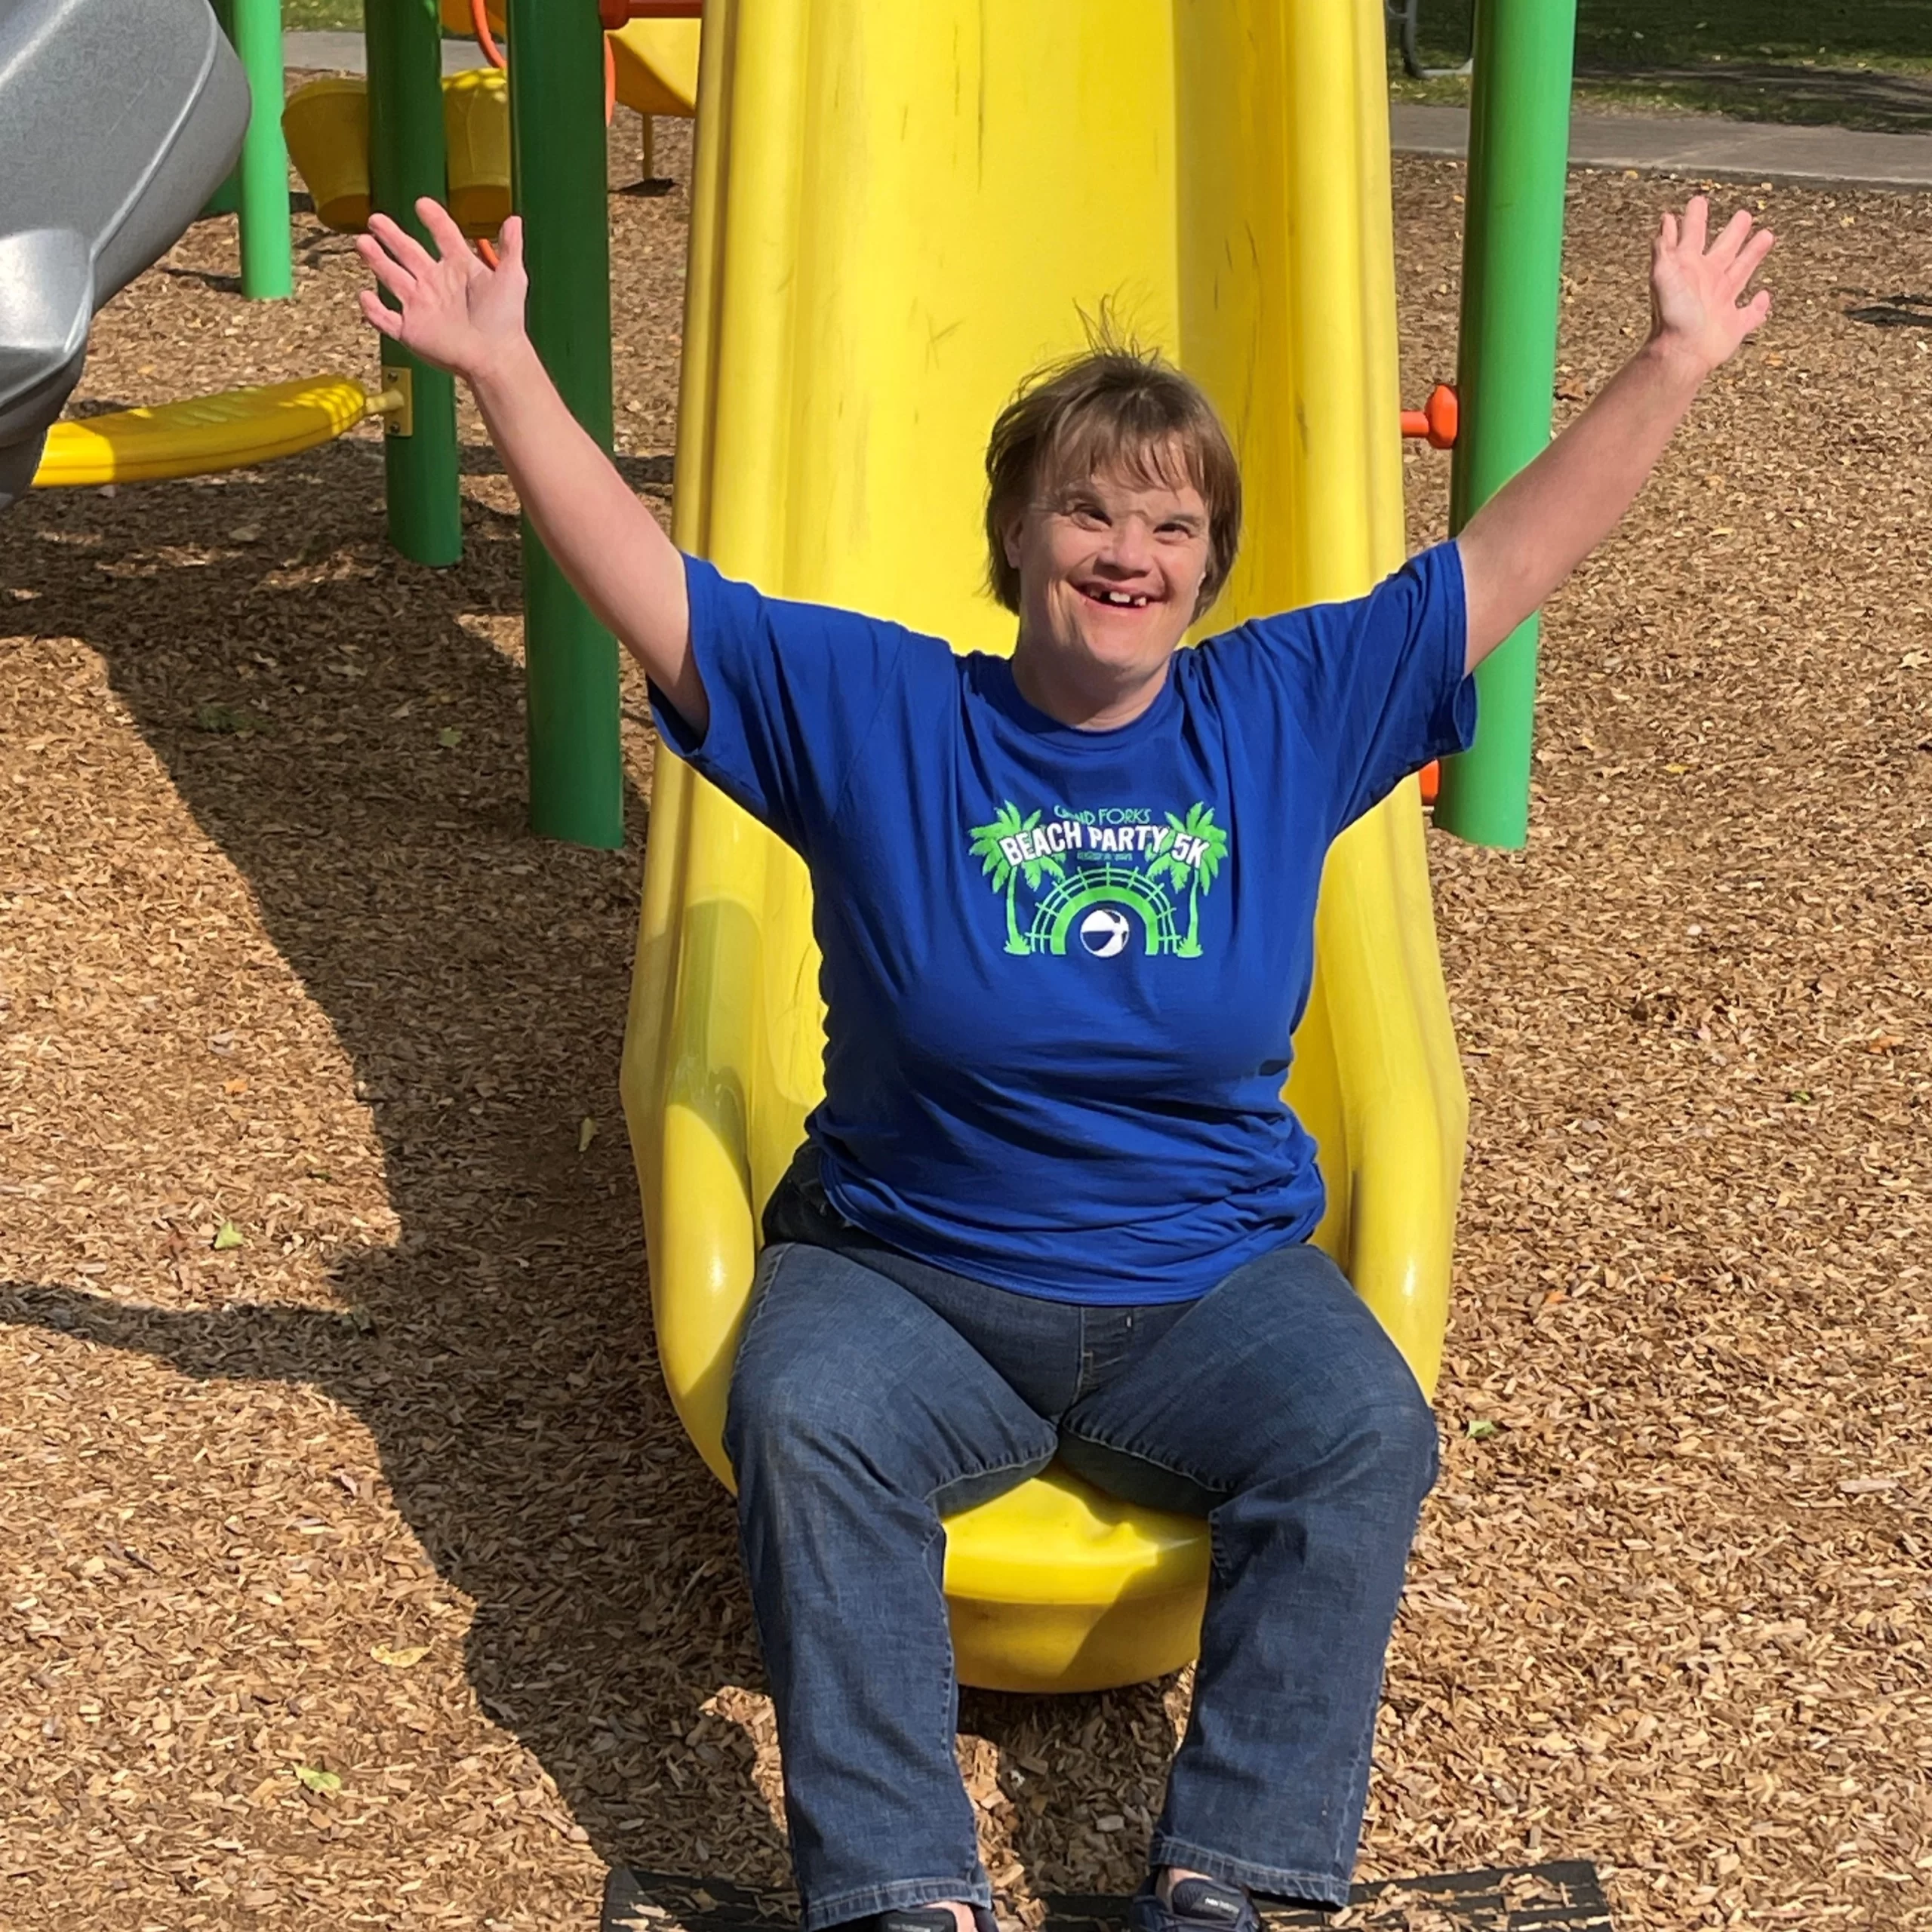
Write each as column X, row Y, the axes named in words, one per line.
column 451, row 310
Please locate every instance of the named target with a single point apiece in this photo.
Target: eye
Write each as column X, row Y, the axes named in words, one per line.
column 1088, row 516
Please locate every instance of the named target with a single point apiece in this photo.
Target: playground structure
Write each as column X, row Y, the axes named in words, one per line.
column 651, row 67
column 909, row 264
column 73, row 237
column 852, row 325
column 486, row 143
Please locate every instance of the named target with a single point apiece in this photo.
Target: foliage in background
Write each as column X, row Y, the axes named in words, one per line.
column 1860, row 63
column 307, row 14
column 1857, row 63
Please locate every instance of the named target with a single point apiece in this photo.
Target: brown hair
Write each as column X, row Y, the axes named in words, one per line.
column 1118, row 406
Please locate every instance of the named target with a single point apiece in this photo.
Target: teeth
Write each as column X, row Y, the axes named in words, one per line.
column 1123, row 599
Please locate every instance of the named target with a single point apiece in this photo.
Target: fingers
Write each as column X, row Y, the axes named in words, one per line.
column 1731, row 238
column 509, row 243
column 449, row 238
column 383, row 266
column 403, row 245
column 383, row 320
column 1696, row 222
column 1750, row 259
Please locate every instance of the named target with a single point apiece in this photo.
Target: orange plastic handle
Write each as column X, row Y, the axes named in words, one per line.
column 479, row 20
column 1438, row 419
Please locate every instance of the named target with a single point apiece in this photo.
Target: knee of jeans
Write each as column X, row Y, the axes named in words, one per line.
column 1386, row 1434
column 1396, row 1417
column 789, row 1416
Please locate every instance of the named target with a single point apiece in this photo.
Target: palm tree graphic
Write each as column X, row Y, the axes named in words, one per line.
column 987, row 848
column 1208, row 846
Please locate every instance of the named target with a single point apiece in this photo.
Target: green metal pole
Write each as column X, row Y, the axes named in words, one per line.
column 1519, row 146
column 558, row 171
column 403, row 43
column 267, row 269
column 227, row 199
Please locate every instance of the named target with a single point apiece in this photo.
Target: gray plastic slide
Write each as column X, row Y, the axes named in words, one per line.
column 117, row 122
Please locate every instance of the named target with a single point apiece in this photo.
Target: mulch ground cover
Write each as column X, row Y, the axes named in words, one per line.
column 356, row 1572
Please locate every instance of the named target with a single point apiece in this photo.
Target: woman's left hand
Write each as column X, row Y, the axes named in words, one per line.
column 1695, row 309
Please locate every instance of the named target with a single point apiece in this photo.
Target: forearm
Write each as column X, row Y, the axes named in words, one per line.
column 603, row 538
column 1521, row 545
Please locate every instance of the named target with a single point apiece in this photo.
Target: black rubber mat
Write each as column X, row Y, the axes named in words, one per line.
column 1564, row 1897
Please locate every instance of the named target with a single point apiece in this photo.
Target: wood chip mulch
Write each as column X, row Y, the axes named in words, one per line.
column 356, row 1571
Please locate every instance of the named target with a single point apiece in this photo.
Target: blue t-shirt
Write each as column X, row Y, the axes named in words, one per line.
column 1062, row 966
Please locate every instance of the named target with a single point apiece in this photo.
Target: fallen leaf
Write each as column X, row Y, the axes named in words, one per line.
column 400, row 1660
column 1478, row 1430
column 586, row 1133
column 325, row 1784
column 227, row 1235
column 450, row 737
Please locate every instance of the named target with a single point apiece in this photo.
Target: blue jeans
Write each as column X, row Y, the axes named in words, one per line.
column 873, row 1395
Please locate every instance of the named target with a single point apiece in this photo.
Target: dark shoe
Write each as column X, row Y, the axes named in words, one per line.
column 930, row 1919
column 1198, row 1904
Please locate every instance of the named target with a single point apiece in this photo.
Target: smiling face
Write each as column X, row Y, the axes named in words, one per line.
column 1111, row 570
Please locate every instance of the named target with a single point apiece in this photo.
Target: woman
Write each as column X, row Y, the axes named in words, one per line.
column 1052, row 1204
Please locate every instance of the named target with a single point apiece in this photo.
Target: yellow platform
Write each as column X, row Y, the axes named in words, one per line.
column 898, row 210
column 202, row 435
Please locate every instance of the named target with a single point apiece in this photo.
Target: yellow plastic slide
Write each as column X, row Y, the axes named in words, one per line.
column 898, row 210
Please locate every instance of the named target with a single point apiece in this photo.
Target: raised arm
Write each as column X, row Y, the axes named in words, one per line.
column 1541, row 524
column 467, row 318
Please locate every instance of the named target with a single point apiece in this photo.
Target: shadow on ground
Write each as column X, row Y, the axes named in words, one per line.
column 1870, row 99
column 499, row 1351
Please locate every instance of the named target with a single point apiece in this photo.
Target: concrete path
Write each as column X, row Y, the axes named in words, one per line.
column 342, row 54
column 1699, row 145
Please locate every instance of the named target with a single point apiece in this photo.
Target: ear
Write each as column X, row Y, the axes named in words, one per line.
column 1010, row 538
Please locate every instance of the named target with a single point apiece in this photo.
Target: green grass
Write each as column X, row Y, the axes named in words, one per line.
column 299, row 14
column 1858, row 64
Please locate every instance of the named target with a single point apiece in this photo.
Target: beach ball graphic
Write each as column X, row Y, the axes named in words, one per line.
column 1106, row 931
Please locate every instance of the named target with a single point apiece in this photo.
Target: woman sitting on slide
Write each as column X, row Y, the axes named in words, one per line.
column 1053, row 1204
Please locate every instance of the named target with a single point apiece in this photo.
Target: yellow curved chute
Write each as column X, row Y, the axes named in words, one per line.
column 898, row 211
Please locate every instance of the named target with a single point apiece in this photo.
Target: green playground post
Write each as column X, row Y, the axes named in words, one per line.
column 1512, row 257
column 227, row 199
column 403, row 39
column 558, row 172
column 268, row 271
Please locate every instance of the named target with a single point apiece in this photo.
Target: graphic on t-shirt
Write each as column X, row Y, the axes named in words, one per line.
column 1098, row 878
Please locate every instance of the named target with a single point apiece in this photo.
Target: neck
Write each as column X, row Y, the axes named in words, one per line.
column 1088, row 702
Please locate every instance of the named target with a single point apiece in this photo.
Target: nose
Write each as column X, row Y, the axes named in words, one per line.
column 1129, row 548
